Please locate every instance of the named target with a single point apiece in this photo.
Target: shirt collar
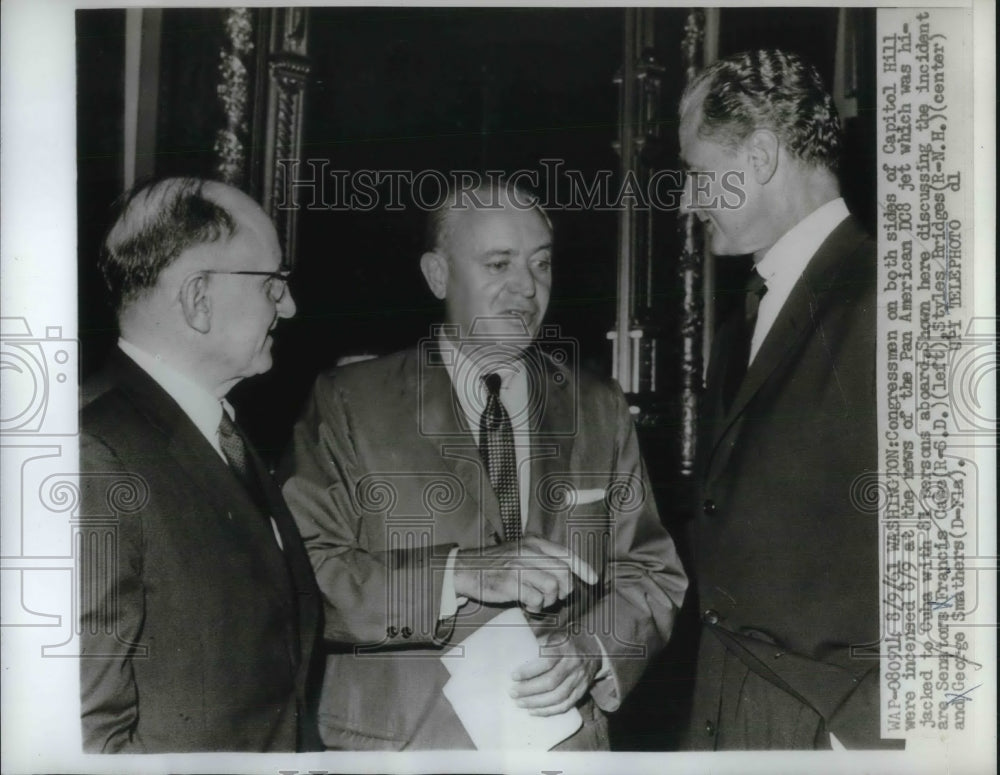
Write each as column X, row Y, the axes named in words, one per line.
column 466, row 371
column 203, row 409
column 787, row 258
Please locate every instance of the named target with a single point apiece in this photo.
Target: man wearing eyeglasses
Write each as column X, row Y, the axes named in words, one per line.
column 199, row 608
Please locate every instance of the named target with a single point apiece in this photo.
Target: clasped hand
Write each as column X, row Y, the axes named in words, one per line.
column 536, row 573
column 554, row 683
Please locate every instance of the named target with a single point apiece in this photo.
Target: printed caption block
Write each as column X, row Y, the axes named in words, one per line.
column 928, row 478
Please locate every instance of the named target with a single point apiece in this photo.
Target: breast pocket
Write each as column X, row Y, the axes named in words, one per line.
column 578, row 507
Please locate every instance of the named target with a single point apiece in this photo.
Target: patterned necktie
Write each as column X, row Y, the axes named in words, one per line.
column 740, row 354
column 235, row 450
column 496, row 447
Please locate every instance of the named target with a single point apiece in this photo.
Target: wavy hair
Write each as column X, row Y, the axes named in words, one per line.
column 768, row 89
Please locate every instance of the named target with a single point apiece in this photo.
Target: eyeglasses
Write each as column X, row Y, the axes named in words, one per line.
column 276, row 285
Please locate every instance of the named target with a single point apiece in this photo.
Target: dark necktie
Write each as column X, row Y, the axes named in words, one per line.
column 235, row 449
column 496, row 447
column 740, row 353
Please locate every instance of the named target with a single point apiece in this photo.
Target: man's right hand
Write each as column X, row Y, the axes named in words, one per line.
column 534, row 572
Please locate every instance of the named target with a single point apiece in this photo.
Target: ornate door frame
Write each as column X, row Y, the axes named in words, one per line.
column 261, row 73
column 263, row 133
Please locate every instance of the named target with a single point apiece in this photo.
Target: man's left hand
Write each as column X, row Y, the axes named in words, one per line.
column 553, row 684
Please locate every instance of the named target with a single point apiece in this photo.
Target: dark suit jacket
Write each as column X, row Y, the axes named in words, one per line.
column 787, row 545
column 386, row 479
column 197, row 628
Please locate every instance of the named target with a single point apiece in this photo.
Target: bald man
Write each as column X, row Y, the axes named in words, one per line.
column 199, row 609
column 442, row 486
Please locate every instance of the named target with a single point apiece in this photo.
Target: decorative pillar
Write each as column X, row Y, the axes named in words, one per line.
column 691, row 280
column 235, row 93
column 634, row 338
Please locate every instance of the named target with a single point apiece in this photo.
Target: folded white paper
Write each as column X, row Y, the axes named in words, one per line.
column 480, row 684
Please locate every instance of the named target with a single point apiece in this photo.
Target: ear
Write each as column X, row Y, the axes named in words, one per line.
column 196, row 303
column 435, row 269
column 763, row 146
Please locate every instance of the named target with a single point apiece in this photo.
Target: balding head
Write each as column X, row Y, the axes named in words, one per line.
column 489, row 259
column 193, row 268
column 491, row 194
column 156, row 223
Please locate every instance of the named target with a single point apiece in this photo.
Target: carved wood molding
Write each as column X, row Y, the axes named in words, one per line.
column 288, row 71
column 263, row 70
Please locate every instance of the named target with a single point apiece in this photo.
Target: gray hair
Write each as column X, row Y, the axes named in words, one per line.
column 768, row 89
column 157, row 222
column 488, row 194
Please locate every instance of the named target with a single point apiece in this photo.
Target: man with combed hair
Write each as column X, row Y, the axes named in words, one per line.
column 199, row 609
column 786, row 553
column 439, row 487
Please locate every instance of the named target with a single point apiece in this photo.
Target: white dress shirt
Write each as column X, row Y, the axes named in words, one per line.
column 783, row 265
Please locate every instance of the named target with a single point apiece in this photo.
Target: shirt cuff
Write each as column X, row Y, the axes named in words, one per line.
column 450, row 602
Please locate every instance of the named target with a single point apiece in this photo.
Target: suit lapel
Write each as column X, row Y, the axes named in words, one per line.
column 297, row 568
column 795, row 321
column 447, row 434
column 239, row 518
column 445, row 428
column 551, row 410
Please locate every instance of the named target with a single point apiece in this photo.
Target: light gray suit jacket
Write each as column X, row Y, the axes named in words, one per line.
column 385, row 479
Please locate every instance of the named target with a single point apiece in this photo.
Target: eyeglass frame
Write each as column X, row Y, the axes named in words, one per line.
column 282, row 275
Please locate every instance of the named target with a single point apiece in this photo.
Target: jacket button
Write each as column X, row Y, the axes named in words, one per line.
column 391, row 631
column 709, row 728
column 406, row 632
column 708, row 506
column 711, row 616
